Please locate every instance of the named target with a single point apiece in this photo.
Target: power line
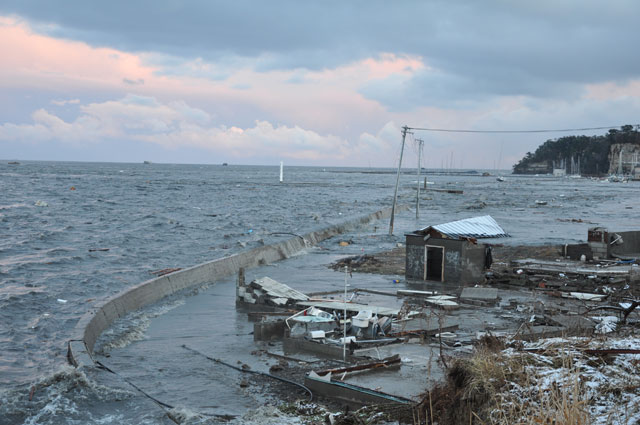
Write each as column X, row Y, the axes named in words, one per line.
column 563, row 130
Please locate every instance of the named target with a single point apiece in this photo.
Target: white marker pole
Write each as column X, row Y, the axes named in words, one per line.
column 344, row 317
column 281, row 170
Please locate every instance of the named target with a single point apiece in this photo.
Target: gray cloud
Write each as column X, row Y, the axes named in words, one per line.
column 478, row 49
column 463, row 90
column 131, row 82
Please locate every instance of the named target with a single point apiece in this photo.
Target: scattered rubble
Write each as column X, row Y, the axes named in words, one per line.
column 537, row 338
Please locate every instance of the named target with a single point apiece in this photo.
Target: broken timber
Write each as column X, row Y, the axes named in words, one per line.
column 384, row 364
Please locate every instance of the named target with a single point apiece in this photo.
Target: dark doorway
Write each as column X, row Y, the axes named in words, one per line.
column 434, row 263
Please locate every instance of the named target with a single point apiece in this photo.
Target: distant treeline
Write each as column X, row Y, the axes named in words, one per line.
column 591, row 151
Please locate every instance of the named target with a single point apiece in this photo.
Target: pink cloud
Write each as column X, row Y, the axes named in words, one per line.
column 612, row 90
column 174, row 125
column 301, row 114
column 32, row 59
column 326, row 101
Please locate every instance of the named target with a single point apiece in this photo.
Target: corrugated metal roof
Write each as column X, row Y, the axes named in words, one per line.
column 475, row 227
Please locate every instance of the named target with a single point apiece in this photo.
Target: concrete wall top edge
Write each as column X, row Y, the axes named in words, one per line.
column 95, row 321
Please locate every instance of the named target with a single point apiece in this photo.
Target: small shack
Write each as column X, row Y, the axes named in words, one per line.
column 450, row 252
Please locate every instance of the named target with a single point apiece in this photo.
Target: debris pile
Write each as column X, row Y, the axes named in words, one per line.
column 356, row 262
column 546, row 340
column 268, row 292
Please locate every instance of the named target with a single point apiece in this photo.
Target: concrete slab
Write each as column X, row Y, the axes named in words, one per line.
column 420, row 369
column 574, row 325
column 427, row 325
column 534, row 333
column 481, row 294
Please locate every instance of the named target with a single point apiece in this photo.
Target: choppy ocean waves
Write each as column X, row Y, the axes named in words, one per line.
column 74, row 234
column 68, row 396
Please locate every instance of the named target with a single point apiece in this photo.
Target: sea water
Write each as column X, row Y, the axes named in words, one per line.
column 74, row 234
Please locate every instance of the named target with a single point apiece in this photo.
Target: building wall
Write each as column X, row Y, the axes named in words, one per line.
column 414, row 257
column 598, row 240
column 453, row 258
column 630, row 243
column 473, row 262
column 463, row 261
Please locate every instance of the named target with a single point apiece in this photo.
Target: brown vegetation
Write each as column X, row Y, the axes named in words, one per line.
column 491, row 388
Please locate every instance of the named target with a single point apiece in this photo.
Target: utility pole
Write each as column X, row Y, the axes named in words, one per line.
column 395, row 194
column 420, row 143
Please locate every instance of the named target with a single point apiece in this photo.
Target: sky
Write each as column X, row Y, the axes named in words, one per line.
column 321, row 83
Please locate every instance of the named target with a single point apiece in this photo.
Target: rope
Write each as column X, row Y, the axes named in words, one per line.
column 164, row 406
column 251, row 371
column 160, row 403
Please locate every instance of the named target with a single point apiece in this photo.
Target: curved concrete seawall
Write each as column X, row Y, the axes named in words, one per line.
column 99, row 318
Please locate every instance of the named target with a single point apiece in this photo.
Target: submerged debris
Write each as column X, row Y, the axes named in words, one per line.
column 356, row 262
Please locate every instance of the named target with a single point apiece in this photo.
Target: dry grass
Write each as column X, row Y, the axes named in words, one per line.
column 561, row 405
column 491, row 388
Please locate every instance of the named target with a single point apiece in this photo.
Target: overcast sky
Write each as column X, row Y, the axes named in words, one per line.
column 310, row 82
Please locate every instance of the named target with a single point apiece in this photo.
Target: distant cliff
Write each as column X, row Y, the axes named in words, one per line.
column 596, row 155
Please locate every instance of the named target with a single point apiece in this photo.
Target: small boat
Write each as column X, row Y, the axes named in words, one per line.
column 147, row 162
column 500, row 179
column 13, row 163
column 224, row 164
